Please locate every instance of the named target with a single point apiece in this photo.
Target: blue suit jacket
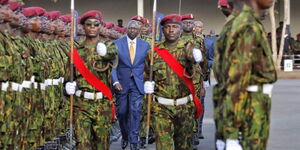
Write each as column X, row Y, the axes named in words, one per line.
column 125, row 68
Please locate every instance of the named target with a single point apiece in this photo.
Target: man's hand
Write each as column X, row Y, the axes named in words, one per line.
column 118, row 87
column 149, row 87
column 197, row 54
column 70, row 88
column 101, row 49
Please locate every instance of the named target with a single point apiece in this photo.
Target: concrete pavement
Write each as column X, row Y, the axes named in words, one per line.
column 285, row 119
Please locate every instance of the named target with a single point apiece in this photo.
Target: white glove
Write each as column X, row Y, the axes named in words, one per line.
column 267, row 89
column 70, row 88
column 206, row 84
column 233, row 144
column 149, row 87
column 101, row 49
column 197, row 54
column 220, row 145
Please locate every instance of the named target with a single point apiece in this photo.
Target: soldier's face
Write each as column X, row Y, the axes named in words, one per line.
column 59, row 26
column 187, row 25
column 92, row 27
column 5, row 13
column 145, row 29
column 264, row 4
column 16, row 19
column 133, row 30
column 35, row 24
column 172, row 31
column 198, row 29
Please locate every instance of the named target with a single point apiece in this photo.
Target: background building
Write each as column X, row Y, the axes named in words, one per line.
column 205, row 10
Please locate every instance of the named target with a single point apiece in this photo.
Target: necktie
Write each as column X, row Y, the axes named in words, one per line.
column 131, row 51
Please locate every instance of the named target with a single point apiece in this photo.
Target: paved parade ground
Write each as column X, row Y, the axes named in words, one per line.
column 285, row 119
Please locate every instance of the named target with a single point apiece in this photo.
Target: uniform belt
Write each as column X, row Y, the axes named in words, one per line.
column 173, row 102
column 4, row 86
column 265, row 88
column 89, row 95
column 16, row 86
column 49, row 82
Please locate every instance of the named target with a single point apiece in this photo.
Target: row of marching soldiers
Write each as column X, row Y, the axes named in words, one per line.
column 34, row 47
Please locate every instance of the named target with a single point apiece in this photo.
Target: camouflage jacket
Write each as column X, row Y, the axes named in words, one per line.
column 98, row 65
column 220, row 46
column 248, row 55
column 167, row 82
column 296, row 46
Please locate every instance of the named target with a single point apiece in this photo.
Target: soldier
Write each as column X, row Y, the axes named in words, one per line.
column 173, row 109
column 188, row 25
column 145, row 31
column 297, row 44
column 220, row 70
column 92, row 108
column 251, row 72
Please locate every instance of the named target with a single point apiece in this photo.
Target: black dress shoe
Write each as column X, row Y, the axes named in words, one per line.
column 143, row 142
column 134, row 146
column 124, row 143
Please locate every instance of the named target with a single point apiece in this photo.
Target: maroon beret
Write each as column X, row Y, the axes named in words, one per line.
column 223, row 3
column 118, row 29
column 29, row 12
column 91, row 14
column 188, row 16
column 172, row 18
column 65, row 18
column 39, row 11
column 53, row 15
column 109, row 25
column 123, row 30
column 3, row 1
column 138, row 18
column 146, row 21
column 15, row 5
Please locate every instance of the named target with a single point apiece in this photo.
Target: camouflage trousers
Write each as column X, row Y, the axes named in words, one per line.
column 251, row 118
column 218, row 96
column 143, row 130
column 33, row 135
column 173, row 126
column 92, row 124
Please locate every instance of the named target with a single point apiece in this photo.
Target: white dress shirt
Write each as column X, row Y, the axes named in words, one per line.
column 134, row 44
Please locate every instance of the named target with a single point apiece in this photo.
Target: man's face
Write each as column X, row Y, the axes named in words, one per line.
column 172, row 31
column 145, row 29
column 120, row 23
column 226, row 11
column 16, row 19
column 5, row 13
column 188, row 25
column 92, row 27
column 198, row 29
column 46, row 25
column 133, row 30
column 35, row 24
column 264, row 4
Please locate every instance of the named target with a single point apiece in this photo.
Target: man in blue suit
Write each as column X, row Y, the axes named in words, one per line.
column 128, row 82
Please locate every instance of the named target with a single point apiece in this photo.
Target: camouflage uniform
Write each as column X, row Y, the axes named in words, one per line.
column 201, row 70
column 14, row 110
column 93, row 117
column 6, row 62
column 221, row 73
column 172, row 124
column 249, row 59
column 296, row 46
